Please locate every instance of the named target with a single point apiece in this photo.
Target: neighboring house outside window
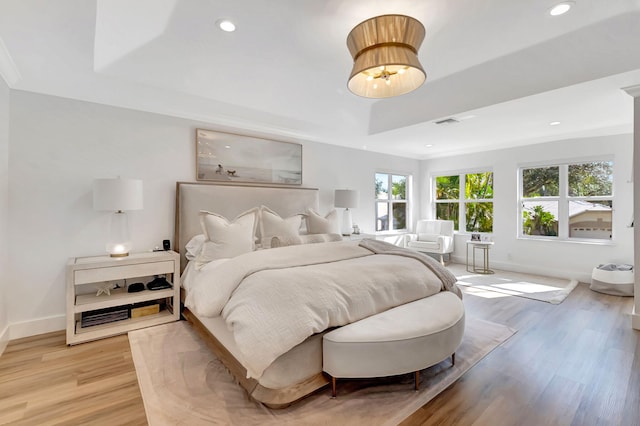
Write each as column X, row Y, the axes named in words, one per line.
column 567, row 201
column 392, row 196
column 466, row 199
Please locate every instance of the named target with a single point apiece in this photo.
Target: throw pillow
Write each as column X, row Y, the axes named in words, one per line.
column 271, row 224
column 225, row 239
column 317, row 224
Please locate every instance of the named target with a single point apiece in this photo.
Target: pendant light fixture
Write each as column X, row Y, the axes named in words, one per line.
column 385, row 56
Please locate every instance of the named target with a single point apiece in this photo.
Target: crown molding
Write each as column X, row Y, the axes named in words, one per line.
column 633, row 90
column 8, row 69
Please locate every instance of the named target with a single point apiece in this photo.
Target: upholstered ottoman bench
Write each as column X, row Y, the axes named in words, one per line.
column 405, row 339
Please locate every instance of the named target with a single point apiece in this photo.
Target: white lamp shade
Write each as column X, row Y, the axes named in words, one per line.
column 117, row 194
column 346, row 198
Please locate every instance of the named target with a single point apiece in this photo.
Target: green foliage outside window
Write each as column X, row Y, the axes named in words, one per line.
column 478, row 186
column 539, row 222
column 591, row 179
column 448, row 187
column 479, row 217
column 540, row 182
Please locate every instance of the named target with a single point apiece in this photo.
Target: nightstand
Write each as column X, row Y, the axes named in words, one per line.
column 358, row 237
column 116, row 311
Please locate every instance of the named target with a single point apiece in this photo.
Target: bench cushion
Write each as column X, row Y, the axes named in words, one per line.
column 404, row 339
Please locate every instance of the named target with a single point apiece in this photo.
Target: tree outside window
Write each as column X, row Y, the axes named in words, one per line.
column 466, row 199
column 391, row 201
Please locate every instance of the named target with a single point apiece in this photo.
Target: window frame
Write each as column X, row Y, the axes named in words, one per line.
column 563, row 199
column 462, row 201
column 390, row 201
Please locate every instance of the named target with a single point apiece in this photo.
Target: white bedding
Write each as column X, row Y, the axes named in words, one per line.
column 274, row 299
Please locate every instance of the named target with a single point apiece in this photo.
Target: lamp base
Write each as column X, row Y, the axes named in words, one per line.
column 346, row 227
column 118, row 254
column 119, row 244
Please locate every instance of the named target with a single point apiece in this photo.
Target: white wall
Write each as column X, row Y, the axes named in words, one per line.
column 4, row 210
column 565, row 259
column 58, row 146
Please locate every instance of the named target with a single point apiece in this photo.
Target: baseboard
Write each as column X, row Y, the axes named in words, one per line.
column 19, row 330
column 529, row 269
column 4, row 339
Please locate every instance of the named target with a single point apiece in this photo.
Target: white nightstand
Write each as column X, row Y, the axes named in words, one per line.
column 358, row 237
column 85, row 275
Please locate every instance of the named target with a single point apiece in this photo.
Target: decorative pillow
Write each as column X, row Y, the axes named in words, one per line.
column 224, row 239
column 194, row 246
column 304, row 239
column 271, row 224
column 317, row 224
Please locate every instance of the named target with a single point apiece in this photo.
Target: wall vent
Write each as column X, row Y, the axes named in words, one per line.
column 449, row 120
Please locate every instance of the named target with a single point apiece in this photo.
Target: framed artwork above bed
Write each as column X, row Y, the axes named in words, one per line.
column 227, row 157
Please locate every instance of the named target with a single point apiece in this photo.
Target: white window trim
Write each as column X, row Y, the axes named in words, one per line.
column 390, row 201
column 563, row 200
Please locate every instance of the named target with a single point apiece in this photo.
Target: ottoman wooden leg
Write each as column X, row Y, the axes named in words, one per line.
column 417, row 380
column 453, row 358
column 334, row 393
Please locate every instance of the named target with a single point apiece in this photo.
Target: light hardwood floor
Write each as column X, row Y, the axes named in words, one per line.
column 577, row 363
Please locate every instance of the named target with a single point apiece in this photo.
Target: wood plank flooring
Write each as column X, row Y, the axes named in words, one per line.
column 577, row 363
column 44, row 382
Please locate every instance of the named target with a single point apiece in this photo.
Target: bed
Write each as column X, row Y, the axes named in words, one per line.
column 279, row 360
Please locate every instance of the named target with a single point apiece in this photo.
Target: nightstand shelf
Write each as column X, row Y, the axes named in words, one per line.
column 86, row 274
column 119, row 327
column 118, row 297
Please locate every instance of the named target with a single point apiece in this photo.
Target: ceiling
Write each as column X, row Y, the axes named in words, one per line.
column 504, row 68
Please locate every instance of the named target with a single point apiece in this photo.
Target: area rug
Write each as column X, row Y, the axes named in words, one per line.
column 536, row 287
column 183, row 383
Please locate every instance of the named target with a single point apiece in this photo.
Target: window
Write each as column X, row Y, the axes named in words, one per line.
column 567, row 201
column 391, row 197
column 466, row 199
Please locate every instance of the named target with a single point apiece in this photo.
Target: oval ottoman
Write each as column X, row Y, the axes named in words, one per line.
column 404, row 339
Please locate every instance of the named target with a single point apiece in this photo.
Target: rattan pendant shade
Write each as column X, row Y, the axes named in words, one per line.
column 385, row 56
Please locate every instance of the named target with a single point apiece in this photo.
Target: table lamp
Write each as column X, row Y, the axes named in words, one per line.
column 118, row 195
column 346, row 199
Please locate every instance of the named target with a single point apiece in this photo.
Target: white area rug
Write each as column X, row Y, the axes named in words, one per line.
column 183, row 383
column 536, row 287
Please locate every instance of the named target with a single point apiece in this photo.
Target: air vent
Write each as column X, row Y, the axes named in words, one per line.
column 449, row 120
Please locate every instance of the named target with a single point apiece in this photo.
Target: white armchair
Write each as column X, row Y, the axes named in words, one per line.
column 432, row 236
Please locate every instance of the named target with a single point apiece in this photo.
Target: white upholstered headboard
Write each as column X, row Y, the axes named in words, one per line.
column 231, row 200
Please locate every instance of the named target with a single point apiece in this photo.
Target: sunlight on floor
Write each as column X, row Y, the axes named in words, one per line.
column 495, row 290
column 487, row 294
column 525, row 287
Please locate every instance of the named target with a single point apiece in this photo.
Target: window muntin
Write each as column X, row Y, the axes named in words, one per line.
column 568, row 201
column 466, row 199
column 392, row 197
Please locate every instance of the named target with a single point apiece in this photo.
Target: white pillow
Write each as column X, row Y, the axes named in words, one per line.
column 194, row 246
column 224, row 239
column 271, row 225
column 317, row 224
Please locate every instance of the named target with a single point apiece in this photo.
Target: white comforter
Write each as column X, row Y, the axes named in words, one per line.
column 274, row 299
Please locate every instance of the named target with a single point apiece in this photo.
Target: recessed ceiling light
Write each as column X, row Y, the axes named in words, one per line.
column 429, row 145
column 554, row 123
column 226, row 25
column 561, row 8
